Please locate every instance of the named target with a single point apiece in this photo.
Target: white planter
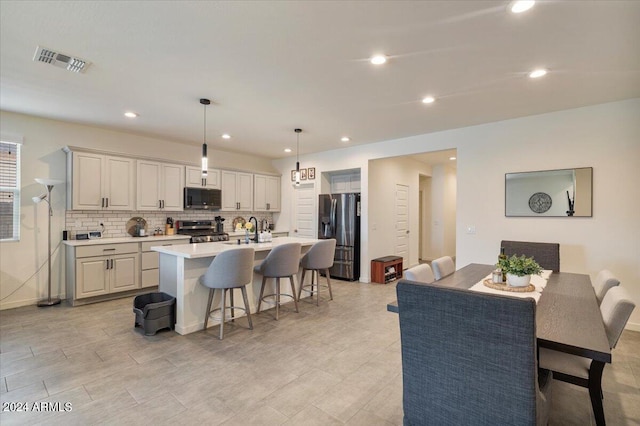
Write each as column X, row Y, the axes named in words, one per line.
column 516, row 281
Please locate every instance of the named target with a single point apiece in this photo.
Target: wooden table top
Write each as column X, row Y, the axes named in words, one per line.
column 568, row 317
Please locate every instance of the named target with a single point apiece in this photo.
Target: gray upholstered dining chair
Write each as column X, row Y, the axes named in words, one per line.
column 421, row 273
column 282, row 262
column 616, row 308
column 319, row 258
column 546, row 254
column 604, row 281
column 442, row 267
column 229, row 270
column 464, row 365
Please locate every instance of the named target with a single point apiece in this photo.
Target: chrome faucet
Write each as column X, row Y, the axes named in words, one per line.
column 255, row 228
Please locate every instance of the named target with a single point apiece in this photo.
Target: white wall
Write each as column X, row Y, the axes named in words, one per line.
column 605, row 137
column 23, row 271
column 443, row 212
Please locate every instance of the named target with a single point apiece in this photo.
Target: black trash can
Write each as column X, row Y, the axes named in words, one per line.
column 154, row 311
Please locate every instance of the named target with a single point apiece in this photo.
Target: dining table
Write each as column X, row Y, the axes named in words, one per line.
column 568, row 319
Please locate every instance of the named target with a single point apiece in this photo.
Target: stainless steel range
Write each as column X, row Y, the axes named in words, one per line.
column 201, row 231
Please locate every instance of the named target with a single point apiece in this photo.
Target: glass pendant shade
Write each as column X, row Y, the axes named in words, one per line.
column 297, row 174
column 205, row 160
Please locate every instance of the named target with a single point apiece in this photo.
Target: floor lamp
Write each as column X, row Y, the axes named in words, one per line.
column 49, row 183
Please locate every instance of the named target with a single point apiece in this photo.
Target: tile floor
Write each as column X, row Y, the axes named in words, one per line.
column 330, row 365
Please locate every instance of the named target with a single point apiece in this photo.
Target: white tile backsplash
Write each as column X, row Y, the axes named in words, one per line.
column 79, row 221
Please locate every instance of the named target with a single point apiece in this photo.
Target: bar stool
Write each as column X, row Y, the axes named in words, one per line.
column 229, row 270
column 282, row 261
column 318, row 258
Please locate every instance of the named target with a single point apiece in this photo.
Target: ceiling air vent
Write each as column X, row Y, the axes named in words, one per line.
column 60, row 60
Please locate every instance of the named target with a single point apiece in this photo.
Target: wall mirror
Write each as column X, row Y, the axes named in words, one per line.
column 552, row 193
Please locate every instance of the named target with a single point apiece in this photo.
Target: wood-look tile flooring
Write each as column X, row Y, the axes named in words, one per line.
column 330, row 365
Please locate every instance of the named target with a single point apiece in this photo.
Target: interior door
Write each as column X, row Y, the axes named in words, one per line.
column 402, row 223
column 304, row 211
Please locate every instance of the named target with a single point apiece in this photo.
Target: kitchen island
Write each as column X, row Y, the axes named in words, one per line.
column 182, row 265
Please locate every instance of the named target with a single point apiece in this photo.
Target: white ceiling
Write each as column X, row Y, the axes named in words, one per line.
column 269, row 67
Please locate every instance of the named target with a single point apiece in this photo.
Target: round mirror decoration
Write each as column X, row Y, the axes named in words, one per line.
column 540, row 202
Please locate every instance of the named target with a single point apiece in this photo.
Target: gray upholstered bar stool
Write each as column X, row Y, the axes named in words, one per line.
column 318, row 258
column 229, row 270
column 282, row 261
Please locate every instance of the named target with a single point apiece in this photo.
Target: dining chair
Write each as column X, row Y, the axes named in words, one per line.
column 229, row 270
column 604, row 281
column 616, row 309
column 282, row 262
column 465, row 365
column 442, row 267
column 421, row 273
column 546, row 254
column 319, row 258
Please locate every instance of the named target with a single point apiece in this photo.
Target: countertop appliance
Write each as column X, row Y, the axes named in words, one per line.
column 202, row 199
column 219, row 224
column 339, row 218
column 201, row 231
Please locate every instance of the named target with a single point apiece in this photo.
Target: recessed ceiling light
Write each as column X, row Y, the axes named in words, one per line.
column 130, row 114
column 452, row 158
column 538, row 73
column 378, row 59
column 287, row 150
column 226, row 136
column 428, row 100
column 345, row 139
column 520, row 6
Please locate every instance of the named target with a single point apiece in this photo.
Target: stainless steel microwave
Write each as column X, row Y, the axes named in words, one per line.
column 202, row 199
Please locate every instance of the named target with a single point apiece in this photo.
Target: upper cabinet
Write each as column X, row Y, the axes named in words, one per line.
column 341, row 183
column 266, row 193
column 194, row 178
column 101, row 182
column 160, row 186
column 237, row 191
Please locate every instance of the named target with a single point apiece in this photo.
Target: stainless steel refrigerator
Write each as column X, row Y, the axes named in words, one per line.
column 339, row 218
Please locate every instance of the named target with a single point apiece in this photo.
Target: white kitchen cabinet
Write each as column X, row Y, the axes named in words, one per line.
column 101, row 182
column 160, row 186
column 345, row 183
column 194, row 179
column 150, row 272
column 237, row 191
column 102, row 269
column 266, row 193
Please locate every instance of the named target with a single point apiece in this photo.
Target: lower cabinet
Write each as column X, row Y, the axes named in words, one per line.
column 99, row 272
column 106, row 274
column 150, row 276
column 102, row 269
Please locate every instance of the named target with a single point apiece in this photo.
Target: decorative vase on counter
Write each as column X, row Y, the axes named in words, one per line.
column 516, row 281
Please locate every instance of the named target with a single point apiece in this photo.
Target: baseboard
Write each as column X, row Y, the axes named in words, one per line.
column 633, row 326
column 27, row 302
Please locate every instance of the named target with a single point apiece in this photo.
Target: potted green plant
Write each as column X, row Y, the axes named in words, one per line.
column 519, row 269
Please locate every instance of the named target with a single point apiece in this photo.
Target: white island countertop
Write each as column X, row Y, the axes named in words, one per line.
column 200, row 250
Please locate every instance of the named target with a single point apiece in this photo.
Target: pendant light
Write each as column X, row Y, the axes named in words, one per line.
column 205, row 161
column 298, row 131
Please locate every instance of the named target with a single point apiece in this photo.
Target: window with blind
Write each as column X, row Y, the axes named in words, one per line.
column 9, row 191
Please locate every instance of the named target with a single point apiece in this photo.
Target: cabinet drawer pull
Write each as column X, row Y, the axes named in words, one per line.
column 108, row 249
column 107, row 202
